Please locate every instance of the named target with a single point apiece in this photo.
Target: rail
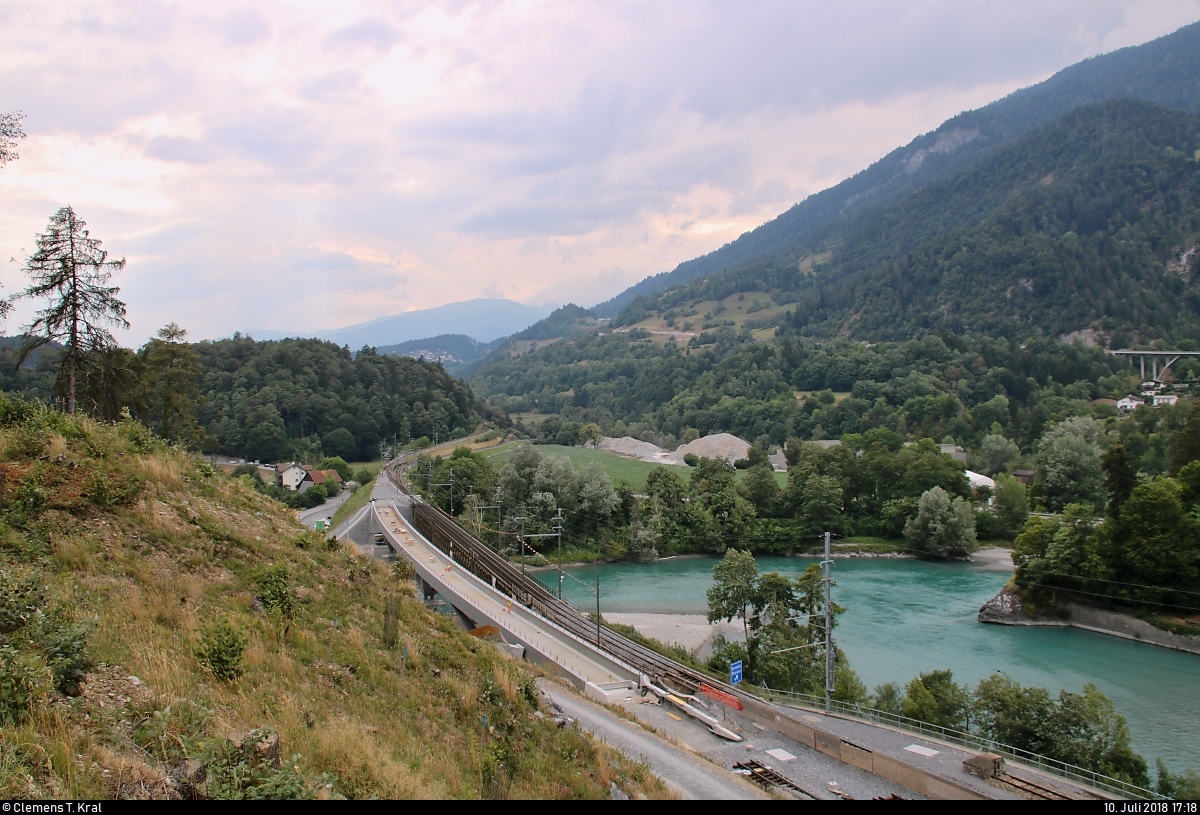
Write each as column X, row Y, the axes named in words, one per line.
column 442, row 531
column 961, row 738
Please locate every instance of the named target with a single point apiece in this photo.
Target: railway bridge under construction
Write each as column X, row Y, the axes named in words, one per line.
column 494, row 596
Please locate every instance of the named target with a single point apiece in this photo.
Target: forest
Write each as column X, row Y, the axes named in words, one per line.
column 263, row 400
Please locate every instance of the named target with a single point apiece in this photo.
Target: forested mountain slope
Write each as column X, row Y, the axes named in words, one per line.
column 1087, row 223
column 1165, row 71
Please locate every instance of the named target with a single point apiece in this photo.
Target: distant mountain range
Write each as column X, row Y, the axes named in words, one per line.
column 482, row 319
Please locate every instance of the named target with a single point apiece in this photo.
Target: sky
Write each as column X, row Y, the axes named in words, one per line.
column 306, row 166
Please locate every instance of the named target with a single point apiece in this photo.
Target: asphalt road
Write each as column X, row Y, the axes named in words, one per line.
column 688, row 775
column 309, row 517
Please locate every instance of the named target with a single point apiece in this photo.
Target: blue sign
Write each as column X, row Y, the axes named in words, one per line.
column 735, row 672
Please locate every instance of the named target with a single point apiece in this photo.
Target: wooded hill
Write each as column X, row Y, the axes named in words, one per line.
column 1165, row 71
column 270, row 400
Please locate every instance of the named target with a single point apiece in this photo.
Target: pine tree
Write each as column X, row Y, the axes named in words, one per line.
column 71, row 270
column 173, row 378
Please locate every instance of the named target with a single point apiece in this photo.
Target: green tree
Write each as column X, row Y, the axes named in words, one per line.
column 996, row 452
column 1120, row 478
column 1005, row 711
column 1181, row 787
column 1069, row 458
column 759, row 488
column 1011, row 506
column 818, row 505
column 1159, row 549
column 173, row 375
column 338, row 464
column 935, row 698
column 339, row 443
column 71, row 270
column 590, row 434
column 942, row 528
column 1187, row 444
column 734, row 589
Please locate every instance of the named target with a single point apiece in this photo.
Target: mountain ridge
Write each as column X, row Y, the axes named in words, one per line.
column 1165, row 71
column 483, row 319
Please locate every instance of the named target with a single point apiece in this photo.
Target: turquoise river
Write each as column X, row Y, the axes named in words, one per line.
column 904, row 617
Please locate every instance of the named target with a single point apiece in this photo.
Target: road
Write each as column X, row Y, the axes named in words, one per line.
column 689, row 776
column 309, row 517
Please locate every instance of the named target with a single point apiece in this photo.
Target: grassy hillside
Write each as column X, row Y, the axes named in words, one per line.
column 150, row 607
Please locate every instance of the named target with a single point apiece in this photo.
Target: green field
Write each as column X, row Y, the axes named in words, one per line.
column 356, row 501
column 619, row 468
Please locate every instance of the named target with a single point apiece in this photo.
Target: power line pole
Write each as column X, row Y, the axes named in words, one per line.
column 597, row 606
column 558, row 519
column 498, row 506
column 449, row 484
column 828, row 565
column 557, row 533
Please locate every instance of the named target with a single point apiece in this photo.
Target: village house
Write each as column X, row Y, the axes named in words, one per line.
column 1165, row 399
column 291, row 475
column 329, row 478
column 1130, row 403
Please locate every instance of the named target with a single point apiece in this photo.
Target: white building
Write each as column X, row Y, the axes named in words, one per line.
column 1130, row 403
column 978, row 480
column 292, row 476
column 1165, row 399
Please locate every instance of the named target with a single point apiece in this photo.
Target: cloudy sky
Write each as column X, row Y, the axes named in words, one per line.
column 299, row 166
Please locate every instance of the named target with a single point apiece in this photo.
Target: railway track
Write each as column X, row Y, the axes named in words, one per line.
column 1030, row 788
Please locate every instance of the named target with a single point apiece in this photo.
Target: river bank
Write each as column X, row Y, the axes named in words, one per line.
column 992, row 559
column 1006, row 609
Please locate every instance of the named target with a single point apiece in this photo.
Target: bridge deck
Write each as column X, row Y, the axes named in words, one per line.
column 483, row 605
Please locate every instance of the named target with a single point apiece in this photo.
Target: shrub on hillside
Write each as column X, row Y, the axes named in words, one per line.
column 222, row 646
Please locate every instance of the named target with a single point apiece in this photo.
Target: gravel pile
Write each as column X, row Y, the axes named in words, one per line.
column 718, row 445
column 629, row 446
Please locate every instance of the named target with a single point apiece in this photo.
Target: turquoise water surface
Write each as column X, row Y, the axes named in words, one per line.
column 904, row 617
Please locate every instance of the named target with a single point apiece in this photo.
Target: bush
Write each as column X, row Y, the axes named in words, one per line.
column 64, row 643
column 221, row 649
column 275, row 591
column 24, row 682
column 237, row 772
column 691, row 459
column 21, row 595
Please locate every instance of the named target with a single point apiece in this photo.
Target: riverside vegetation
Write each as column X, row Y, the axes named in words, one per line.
column 151, row 606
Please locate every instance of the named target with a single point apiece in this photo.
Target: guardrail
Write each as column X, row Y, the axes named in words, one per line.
column 1062, row 769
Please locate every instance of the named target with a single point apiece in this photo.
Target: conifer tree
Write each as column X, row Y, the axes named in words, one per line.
column 71, row 270
column 173, row 372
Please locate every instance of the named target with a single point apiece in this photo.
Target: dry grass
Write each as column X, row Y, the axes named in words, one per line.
column 155, row 570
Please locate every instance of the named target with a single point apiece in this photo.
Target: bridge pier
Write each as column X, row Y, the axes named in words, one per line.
column 427, row 591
